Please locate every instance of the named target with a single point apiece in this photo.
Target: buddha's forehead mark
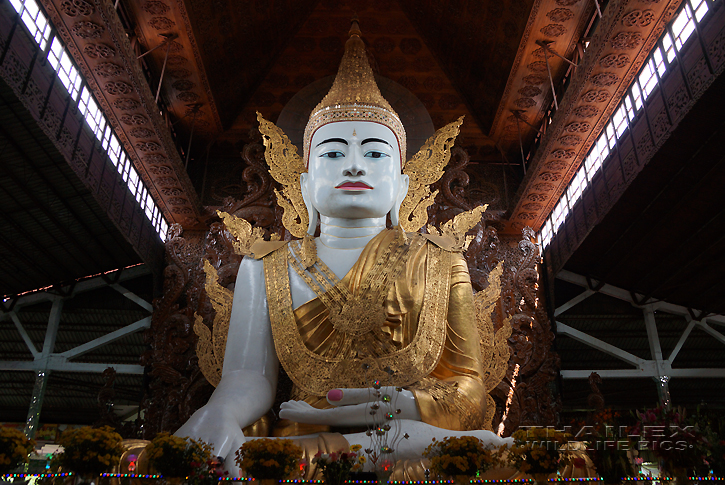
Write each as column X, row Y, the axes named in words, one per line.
column 354, row 133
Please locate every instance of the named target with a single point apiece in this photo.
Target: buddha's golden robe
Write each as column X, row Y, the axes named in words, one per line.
column 452, row 395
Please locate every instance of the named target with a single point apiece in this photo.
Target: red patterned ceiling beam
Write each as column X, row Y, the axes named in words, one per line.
column 620, row 45
column 95, row 37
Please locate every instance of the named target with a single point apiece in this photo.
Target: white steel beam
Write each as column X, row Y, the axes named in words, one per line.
column 625, row 295
column 106, row 339
column 594, row 342
column 21, row 330
column 643, row 373
column 712, row 332
column 690, row 325
column 133, row 297
column 56, row 364
column 574, row 301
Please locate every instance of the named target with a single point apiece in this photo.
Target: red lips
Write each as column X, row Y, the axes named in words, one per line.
column 354, row 186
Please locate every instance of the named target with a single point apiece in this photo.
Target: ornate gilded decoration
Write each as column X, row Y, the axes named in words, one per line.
column 285, row 166
column 354, row 96
column 494, row 345
column 457, row 227
column 212, row 344
column 316, row 374
column 425, row 168
column 245, row 236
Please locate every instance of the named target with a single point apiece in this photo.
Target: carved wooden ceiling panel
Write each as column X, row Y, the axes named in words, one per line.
column 399, row 52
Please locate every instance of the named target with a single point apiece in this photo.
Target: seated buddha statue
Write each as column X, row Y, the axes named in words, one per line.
column 358, row 303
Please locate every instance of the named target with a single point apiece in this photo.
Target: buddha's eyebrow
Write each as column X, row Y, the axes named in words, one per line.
column 374, row 140
column 332, row 140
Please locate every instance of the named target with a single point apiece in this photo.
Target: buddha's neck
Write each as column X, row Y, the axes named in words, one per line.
column 337, row 233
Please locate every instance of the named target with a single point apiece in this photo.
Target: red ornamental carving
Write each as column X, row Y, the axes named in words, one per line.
column 534, row 79
column 176, row 60
column 538, row 53
column 178, row 201
column 586, row 111
column 538, row 66
column 134, row 119
column 532, row 206
column 410, row 46
column 155, row 158
column 187, row 96
column 638, row 18
column 542, row 187
column 561, row 153
column 530, row 91
column 549, row 176
column 126, row 104
column 148, row 146
column 567, row 3
column 614, row 60
column 173, row 191
column 525, row 103
column 578, row 127
column 449, row 102
column 161, row 23
column 553, row 30
column 154, row 7
column 596, row 96
column 142, row 132
column 604, row 79
column 76, row 8
column 95, row 51
column 182, row 210
column 534, row 197
column 88, row 30
column 526, row 216
column 556, row 165
column 108, row 69
column 627, row 40
column 570, row 140
column 165, row 170
column 116, row 88
column 560, row 14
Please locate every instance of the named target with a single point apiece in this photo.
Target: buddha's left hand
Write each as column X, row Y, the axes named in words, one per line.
column 353, row 407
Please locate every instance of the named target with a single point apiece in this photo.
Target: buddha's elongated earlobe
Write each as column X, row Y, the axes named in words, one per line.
column 402, row 192
column 314, row 216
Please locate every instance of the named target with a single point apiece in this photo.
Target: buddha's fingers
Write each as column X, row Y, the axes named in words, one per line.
column 350, row 396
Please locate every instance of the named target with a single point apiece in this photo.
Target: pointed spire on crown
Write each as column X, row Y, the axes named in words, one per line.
column 354, row 95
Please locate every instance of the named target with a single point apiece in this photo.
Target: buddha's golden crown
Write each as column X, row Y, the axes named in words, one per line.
column 354, row 96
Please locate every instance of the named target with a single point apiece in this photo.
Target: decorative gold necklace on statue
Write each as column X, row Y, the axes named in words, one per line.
column 360, row 313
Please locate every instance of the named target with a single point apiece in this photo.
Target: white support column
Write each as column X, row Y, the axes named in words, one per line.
column 574, row 301
column 690, row 325
column 662, row 379
column 41, row 378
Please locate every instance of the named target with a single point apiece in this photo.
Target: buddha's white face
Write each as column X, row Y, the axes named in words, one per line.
column 354, row 171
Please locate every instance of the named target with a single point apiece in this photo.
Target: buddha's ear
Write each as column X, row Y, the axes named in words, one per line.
column 314, row 215
column 402, row 192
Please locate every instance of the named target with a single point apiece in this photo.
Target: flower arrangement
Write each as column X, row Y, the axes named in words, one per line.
column 336, row 467
column 464, row 456
column 268, row 458
column 674, row 438
column 90, row 451
column 608, row 450
column 14, row 449
column 173, row 456
column 538, row 451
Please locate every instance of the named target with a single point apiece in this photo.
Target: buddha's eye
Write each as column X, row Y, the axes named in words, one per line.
column 375, row 154
column 333, row 154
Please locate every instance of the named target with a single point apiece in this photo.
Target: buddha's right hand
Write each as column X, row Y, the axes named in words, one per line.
column 219, row 427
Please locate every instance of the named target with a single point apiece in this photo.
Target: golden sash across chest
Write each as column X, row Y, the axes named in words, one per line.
column 317, row 374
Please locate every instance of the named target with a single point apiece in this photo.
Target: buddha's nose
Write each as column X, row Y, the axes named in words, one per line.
column 354, row 170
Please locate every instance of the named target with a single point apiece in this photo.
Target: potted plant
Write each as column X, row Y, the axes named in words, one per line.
column 14, row 449
column 336, row 467
column 269, row 459
column 460, row 458
column 88, row 452
column 179, row 458
column 538, row 452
